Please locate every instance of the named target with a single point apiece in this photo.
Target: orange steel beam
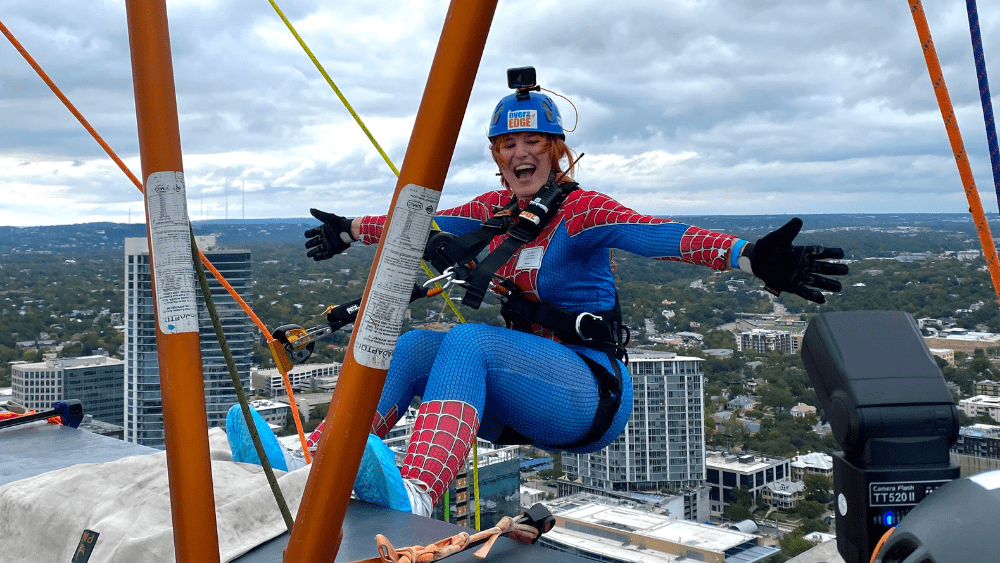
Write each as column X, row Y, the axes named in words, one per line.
column 192, row 502
column 320, row 517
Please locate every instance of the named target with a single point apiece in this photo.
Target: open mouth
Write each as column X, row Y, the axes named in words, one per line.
column 524, row 171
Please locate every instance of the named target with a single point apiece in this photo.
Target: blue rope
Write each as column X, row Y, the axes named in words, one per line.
column 984, row 93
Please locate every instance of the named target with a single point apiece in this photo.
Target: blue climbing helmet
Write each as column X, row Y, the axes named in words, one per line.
column 526, row 111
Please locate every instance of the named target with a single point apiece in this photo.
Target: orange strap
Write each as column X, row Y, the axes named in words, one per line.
column 453, row 544
column 880, row 543
column 69, row 105
column 957, row 147
column 51, row 420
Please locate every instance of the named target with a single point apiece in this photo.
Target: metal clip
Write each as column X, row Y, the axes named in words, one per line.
column 579, row 320
column 498, row 289
column 449, row 279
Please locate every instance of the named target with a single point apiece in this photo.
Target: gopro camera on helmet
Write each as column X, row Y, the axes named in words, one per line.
column 527, row 109
column 521, row 78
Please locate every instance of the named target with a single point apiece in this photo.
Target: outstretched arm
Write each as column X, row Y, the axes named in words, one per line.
column 598, row 221
column 334, row 236
column 594, row 220
column 797, row 269
column 455, row 220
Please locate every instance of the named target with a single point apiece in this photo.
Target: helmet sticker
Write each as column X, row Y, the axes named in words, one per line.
column 522, row 119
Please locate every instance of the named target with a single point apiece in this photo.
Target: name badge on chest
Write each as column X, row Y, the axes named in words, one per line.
column 530, row 258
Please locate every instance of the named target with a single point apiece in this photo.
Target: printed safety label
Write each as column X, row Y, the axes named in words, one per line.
column 170, row 239
column 403, row 244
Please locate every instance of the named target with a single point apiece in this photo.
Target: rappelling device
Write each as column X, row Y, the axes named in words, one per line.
column 299, row 343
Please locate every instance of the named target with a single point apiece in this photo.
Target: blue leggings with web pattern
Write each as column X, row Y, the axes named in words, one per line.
column 540, row 388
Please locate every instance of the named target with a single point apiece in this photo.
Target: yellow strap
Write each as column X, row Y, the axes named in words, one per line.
column 332, row 85
column 426, row 268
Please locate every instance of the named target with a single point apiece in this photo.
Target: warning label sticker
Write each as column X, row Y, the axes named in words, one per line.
column 403, row 245
column 170, row 239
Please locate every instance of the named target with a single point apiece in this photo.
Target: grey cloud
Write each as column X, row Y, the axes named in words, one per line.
column 795, row 98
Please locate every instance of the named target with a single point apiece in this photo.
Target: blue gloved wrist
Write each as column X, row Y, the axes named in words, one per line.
column 734, row 253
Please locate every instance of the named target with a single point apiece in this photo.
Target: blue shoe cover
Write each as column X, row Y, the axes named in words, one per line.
column 242, row 445
column 379, row 481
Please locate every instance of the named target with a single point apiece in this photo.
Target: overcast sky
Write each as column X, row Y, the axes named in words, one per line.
column 685, row 107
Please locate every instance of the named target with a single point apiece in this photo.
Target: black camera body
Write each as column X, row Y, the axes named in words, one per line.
column 522, row 77
column 523, row 80
column 889, row 410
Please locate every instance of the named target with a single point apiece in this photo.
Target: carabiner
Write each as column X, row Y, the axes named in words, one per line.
column 448, row 275
column 579, row 321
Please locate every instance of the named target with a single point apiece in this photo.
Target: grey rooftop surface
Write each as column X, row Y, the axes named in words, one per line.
column 36, row 448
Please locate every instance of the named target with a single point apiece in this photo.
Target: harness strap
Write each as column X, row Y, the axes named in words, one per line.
column 609, row 389
column 458, row 253
column 602, row 331
column 478, row 281
column 450, row 251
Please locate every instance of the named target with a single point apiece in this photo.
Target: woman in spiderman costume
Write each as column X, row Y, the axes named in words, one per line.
column 555, row 377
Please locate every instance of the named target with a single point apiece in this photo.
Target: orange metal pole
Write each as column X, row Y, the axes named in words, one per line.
column 321, row 513
column 185, row 424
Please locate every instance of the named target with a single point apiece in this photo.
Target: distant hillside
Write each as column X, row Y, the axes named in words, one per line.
column 73, row 239
column 859, row 234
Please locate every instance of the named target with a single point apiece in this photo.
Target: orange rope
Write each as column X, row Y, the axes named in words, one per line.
column 282, row 366
column 218, row 276
column 72, row 109
column 881, row 542
column 957, row 147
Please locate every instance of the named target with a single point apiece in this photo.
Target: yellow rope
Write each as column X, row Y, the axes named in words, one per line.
column 332, row 85
column 423, row 265
column 475, row 477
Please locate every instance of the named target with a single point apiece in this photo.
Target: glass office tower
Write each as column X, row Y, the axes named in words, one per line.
column 143, row 416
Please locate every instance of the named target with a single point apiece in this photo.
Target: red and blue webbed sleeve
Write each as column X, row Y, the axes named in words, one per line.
column 594, row 220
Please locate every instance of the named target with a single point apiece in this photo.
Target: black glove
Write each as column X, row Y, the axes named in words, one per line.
column 344, row 314
column 332, row 237
column 784, row 267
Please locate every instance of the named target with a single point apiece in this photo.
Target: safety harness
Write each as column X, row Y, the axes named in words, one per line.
column 456, row 259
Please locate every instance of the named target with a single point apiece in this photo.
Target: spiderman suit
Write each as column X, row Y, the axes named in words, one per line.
column 476, row 379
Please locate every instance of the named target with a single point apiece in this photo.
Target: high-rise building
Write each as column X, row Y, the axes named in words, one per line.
column 143, row 413
column 96, row 381
column 764, row 340
column 663, row 444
